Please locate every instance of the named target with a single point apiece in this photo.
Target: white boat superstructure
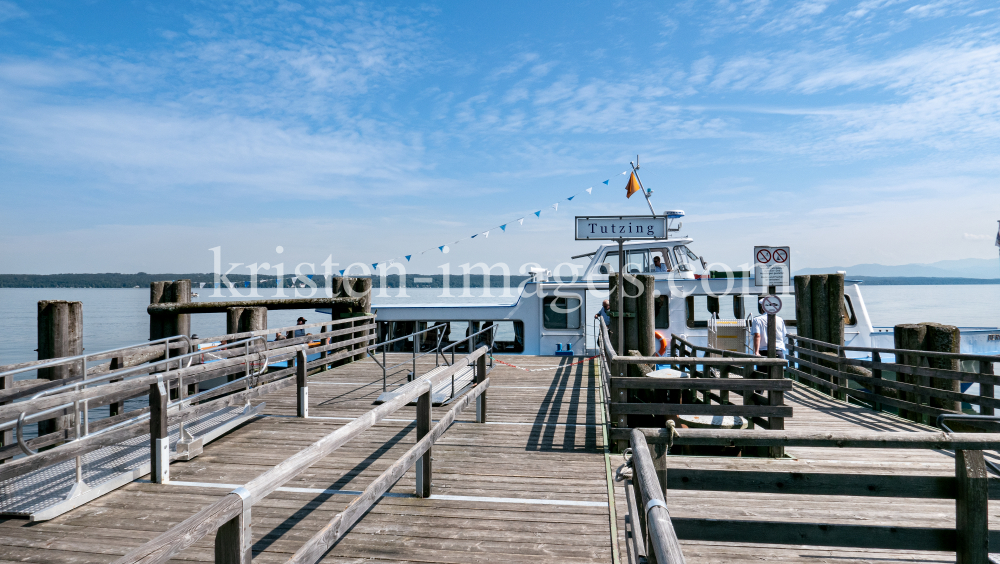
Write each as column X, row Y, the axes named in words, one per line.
column 550, row 317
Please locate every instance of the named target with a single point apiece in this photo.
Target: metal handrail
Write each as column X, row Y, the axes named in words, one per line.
column 935, row 354
column 452, row 346
column 67, row 359
column 386, row 369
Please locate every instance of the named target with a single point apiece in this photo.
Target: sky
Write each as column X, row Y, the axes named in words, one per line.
column 139, row 136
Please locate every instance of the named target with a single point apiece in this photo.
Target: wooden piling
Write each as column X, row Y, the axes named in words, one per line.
column 60, row 334
column 163, row 325
column 645, row 315
column 835, row 308
column 944, row 338
column 909, row 336
column 820, row 293
column 481, row 400
column 363, row 289
column 246, row 319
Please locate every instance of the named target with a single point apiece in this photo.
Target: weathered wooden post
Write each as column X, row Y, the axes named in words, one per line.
column 909, row 336
column 614, row 313
column 159, row 439
column 60, row 334
column 481, row 400
column 835, row 320
column 233, row 540
column 645, row 314
column 245, row 319
column 944, row 338
column 301, row 368
column 803, row 316
column 424, row 427
column 363, row 289
column 971, row 508
column 630, row 304
column 163, row 325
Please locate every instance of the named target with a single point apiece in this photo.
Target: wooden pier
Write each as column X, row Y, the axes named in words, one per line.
column 530, row 484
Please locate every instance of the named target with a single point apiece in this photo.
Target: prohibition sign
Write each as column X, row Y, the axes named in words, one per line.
column 780, row 255
column 764, row 256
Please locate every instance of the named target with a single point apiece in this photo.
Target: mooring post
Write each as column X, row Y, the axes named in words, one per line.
column 481, row 400
column 169, row 324
column 424, row 427
column 159, row 439
column 60, row 334
column 971, row 508
column 324, row 342
column 233, row 540
column 301, row 367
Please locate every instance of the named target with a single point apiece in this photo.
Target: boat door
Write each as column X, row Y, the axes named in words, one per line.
column 563, row 327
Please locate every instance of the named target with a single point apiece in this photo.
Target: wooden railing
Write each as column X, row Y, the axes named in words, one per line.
column 971, row 488
column 904, row 384
column 245, row 354
column 230, row 516
column 704, row 388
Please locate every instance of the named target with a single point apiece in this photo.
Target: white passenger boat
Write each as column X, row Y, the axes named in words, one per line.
column 550, row 317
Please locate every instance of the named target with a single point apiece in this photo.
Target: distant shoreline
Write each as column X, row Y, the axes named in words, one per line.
column 142, row 280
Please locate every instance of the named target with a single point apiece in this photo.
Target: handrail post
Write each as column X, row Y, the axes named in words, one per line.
column 159, row 439
column 986, row 390
column 776, row 397
column 877, row 374
column 384, row 346
column 481, row 400
column 301, row 368
column 971, row 508
column 233, row 540
column 424, row 427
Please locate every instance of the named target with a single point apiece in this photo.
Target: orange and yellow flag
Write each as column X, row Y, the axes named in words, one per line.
column 632, row 187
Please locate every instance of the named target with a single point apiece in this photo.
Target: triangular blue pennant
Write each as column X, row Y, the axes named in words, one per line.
column 538, row 213
column 474, row 236
column 374, row 266
column 503, row 228
column 441, row 248
column 408, row 258
column 606, row 181
column 571, row 197
column 341, row 272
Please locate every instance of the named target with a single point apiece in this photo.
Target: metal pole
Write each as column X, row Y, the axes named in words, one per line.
column 621, row 299
column 635, row 170
column 771, row 329
column 383, row 367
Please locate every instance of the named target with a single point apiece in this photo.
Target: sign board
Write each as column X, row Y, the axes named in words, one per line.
column 772, row 266
column 621, row 227
column 770, row 304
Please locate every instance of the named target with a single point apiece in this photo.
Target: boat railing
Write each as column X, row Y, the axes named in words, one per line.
column 971, row 487
column 229, row 518
column 919, row 385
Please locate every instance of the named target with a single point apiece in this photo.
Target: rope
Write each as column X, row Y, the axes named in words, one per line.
column 546, row 368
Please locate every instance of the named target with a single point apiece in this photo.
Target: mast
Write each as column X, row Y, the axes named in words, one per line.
column 635, row 171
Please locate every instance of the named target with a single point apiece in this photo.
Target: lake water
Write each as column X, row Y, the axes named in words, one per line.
column 117, row 317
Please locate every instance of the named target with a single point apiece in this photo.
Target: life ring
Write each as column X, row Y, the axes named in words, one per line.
column 663, row 343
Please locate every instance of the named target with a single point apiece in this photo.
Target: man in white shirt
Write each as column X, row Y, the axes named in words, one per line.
column 657, row 265
column 759, row 332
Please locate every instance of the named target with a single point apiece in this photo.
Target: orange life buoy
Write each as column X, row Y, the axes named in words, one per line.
column 663, row 343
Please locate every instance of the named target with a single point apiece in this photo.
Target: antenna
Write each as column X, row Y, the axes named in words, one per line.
column 635, row 168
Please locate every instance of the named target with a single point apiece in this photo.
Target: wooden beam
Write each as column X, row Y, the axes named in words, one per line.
column 971, row 508
column 699, row 409
column 702, row 384
column 748, row 437
column 814, row 483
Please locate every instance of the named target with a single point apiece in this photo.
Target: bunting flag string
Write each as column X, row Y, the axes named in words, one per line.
column 503, row 228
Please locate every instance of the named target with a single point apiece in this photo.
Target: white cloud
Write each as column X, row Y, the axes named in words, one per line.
column 11, row 11
column 971, row 237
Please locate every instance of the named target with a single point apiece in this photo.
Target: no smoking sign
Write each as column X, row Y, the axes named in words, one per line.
column 772, row 266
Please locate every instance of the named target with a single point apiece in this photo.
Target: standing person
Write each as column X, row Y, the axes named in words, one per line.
column 300, row 332
column 605, row 312
column 759, row 331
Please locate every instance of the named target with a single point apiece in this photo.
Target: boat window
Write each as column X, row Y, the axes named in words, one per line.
column 637, row 262
column 561, row 313
column 610, row 264
column 849, row 317
column 509, row 336
column 661, row 305
column 665, row 259
column 701, row 308
column 680, row 259
column 687, row 251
